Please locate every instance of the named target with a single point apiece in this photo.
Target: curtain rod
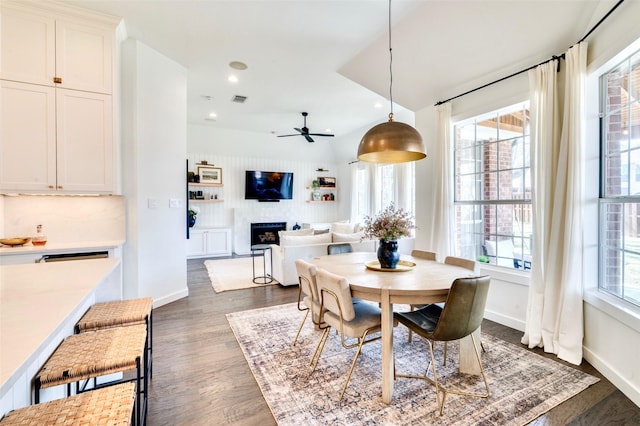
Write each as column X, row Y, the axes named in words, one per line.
column 553, row 58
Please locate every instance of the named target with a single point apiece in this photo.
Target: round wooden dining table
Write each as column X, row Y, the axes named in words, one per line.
column 420, row 281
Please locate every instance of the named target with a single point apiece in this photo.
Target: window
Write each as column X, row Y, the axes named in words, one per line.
column 620, row 181
column 493, row 188
column 376, row 186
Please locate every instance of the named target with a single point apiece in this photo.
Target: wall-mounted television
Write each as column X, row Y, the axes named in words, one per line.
column 268, row 186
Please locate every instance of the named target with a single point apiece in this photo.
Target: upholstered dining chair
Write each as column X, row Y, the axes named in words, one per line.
column 469, row 264
column 427, row 255
column 308, row 296
column 339, row 248
column 351, row 318
column 460, row 317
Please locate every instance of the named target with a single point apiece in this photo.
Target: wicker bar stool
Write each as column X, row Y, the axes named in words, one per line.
column 85, row 356
column 120, row 313
column 108, row 406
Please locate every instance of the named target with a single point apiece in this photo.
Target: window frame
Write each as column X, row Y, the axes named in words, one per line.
column 479, row 238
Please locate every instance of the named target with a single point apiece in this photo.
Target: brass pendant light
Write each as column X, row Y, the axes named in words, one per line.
column 391, row 142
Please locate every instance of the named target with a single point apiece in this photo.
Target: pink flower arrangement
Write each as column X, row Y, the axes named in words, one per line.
column 390, row 224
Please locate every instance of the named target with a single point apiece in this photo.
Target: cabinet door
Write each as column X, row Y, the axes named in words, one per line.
column 28, row 47
column 218, row 242
column 85, row 143
column 196, row 244
column 83, row 57
column 27, row 137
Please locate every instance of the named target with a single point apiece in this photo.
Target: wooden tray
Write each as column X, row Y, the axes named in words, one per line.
column 402, row 266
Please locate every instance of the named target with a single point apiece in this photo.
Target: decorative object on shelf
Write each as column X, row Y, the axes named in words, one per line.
column 204, row 163
column 296, row 226
column 16, row 241
column 190, row 176
column 196, row 178
column 39, row 239
column 210, row 174
column 327, row 182
column 315, row 196
column 321, row 170
column 391, row 142
column 315, row 183
column 388, row 226
column 333, row 197
column 192, row 214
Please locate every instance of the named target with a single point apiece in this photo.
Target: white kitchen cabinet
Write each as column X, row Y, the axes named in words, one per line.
column 47, row 49
column 209, row 242
column 56, row 121
column 55, row 139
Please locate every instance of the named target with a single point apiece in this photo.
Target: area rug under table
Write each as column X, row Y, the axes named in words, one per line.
column 523, row 385
column 234, row 274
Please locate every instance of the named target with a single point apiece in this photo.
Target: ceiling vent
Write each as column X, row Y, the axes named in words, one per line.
column 239, row 99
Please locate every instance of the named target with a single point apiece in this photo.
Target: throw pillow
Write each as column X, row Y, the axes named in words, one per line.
column 347, row 238
column 342, row 227
column 321, row 231
column 298, row 232
column 304, row 240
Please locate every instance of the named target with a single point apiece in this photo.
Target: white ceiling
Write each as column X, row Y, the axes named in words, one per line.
column 331, row 57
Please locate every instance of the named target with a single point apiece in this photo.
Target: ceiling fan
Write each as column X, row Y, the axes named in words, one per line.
column 305, row 131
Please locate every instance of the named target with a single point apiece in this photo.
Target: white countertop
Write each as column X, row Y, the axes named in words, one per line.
column 51, row 247
column 36, row 299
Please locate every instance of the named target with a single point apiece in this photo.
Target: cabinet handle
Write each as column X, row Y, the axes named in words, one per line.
column 59, row 186
column 50, row 186
column 57, row 80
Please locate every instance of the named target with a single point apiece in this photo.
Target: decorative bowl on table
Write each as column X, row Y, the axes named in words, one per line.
column 18, row 241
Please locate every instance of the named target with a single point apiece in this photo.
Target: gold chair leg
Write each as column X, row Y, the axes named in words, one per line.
column 300, row 328
column 442, row 389
column 319, row 348
column 353, row 364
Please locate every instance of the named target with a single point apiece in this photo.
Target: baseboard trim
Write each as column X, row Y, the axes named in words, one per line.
column 171, row 297
column 505, row 320
column 608, row 371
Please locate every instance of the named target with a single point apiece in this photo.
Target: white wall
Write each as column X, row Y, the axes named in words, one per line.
column 154, row 134
column 236, row 151
column 612, row 334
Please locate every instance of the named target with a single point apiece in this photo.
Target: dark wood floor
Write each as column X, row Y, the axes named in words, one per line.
column 201, row 377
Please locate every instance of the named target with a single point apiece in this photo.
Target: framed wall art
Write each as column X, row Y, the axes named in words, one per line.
column 209, row 174
column 327, row 182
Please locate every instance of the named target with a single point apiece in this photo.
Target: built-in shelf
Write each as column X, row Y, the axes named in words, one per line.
column 219, row 185
column 324, row 188
column 197, row 200
column 321, row 201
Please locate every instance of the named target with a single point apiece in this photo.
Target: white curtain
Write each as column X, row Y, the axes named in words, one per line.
column 554, row 311
column 403, row 191
column 442, row 212
column 354, row 215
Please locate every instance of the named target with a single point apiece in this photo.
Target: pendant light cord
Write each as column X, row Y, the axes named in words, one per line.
column 390, row 67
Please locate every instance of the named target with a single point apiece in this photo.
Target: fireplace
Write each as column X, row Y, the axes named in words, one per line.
column 266, row 232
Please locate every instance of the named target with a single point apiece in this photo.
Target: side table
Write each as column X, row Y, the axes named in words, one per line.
column 258, row 249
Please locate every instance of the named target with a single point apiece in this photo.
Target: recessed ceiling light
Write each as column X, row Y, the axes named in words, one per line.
column 213, row 115
column 378, row 105
column 237, row 65
column 327, row 130
column 232, row 78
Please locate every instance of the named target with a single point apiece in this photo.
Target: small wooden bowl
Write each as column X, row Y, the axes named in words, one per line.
column 18, row 241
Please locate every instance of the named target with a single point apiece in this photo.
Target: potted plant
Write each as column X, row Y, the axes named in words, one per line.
column 191, row 216
column 388, row 226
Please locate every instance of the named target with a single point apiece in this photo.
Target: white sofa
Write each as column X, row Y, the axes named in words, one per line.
column 306, row 245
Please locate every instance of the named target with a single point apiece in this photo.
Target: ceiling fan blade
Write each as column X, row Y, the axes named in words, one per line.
column 285, row 136
column 321, row 134
column 299, row 130
column 308, row 138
